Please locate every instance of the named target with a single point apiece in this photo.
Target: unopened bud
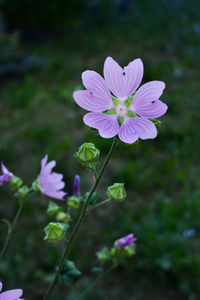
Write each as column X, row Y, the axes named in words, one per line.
column 22, row 193
column 104, row 255
column 55, row 232
column 16, row 182
column 116, row 192
column 87, row 153
column 74, row 201
column 53, row 208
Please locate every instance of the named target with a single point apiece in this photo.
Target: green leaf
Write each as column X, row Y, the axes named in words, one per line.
column 70, row 274
column 91, row 165
column 93, row 200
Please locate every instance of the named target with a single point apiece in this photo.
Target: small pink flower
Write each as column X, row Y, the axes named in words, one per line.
column 50, row 183
column 133, row 108
column 127, row 240
column 6, row 175
column 11, row 294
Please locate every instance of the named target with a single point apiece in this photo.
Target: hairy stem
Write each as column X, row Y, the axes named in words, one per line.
column 79, row 222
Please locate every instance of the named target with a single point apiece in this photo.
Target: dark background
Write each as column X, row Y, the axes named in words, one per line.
column 44, row 47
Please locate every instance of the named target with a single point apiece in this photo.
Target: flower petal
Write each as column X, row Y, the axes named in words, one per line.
column 1, row 285
column 154, row 109
column 146, row 101
column 11, row 295
column 127, row 133
column 137, row 127
column 89, row 102
column 98, row 90
column 55, row 194
column 123, row 82
column 44, row 162
column 107, row 125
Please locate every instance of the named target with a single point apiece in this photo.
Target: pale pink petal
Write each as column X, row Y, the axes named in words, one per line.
column 50, row 183
column 97, row 88
column 11, row 295
column 5, row 170
column 43, row 162
column 154, row 109
column 127, row 133
column 59, row 195
column 137, row 127
column 123, row 82
column 89, row 102
column 146, row 100
column 56, row 177
column 107, row 125
column 1, row 285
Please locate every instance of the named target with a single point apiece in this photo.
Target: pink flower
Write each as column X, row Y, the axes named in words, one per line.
column 126, row 113
column 6, row 175
column 127, row 240
column 50, row 183
column 11, row 294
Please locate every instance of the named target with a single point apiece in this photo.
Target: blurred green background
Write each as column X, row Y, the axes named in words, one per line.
column 44, row 47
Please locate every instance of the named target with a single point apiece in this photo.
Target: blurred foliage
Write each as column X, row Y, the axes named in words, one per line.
column 162, row 177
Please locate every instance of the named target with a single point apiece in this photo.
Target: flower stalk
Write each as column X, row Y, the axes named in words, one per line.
column 11, row 227
column 80, row 221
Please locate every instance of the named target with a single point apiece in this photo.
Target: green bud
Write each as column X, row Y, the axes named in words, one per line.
column 22, row 193
column 63, row 216
column 116, row 192
column 53, row 208
column 113, row 251
column 103, row 255
column 55, row 232
column 35, row 186
column 74, row 201
column 87, row 153
column 16, row 182
column 129, row 250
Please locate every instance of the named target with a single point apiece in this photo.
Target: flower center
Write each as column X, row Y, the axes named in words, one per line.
column 121, row 110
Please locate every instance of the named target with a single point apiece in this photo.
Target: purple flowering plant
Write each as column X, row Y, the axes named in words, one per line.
column 119, row 108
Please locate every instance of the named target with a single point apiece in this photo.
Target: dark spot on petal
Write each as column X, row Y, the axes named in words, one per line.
column 153, row 101
column 124, row 73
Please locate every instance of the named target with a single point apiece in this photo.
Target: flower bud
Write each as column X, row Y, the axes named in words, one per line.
column 87, row 153
column 16, row 182
column 63, row 217
column 55, row 232
column 74, row 201
column 103, row 255
column 22, row 193
column 116, row 192
column 53, row 209
column 129, row 250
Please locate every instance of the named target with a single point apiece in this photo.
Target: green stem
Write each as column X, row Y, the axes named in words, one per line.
column 98, row 204
column 79, row 222
column 92, row 284
column 11, row 228
column 94, row 171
